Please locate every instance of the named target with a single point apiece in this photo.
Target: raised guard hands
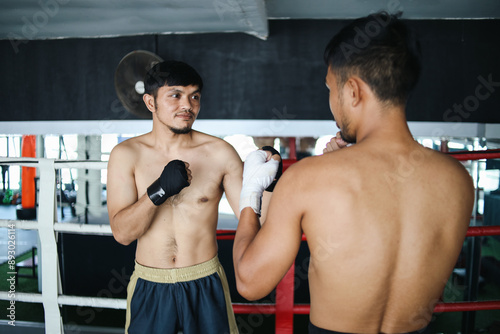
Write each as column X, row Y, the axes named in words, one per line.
column 175, row 177
column 259, row 173
column 280, row 167
column 335, row 144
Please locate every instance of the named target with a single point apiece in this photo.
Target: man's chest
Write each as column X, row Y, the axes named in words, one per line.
column 206, row 176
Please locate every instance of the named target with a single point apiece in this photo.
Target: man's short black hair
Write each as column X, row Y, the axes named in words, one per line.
column 382, row 51
column 171, row 73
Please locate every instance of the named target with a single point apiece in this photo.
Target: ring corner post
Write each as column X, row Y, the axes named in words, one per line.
column 50, row 261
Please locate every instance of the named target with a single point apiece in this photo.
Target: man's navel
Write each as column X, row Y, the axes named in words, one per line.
column 172, row 249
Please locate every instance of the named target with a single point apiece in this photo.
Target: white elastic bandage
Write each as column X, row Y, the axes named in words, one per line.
column 258, row 174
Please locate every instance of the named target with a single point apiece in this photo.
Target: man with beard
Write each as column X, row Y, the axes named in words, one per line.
column 385, row 218
column 164, row 189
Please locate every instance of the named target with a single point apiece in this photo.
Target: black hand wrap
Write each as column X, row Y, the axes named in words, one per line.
column 280, row 167
column 171, row 181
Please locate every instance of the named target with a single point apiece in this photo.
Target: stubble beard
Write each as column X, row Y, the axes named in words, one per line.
column 347, row 137
column 177, row 131
column 345, row 132
column 180, row 131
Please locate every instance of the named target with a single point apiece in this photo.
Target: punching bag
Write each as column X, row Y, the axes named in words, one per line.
column 28, row 174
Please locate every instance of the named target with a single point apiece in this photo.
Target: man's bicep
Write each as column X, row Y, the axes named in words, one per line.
column 232, row 181
column 281, row 234
column 121, row 189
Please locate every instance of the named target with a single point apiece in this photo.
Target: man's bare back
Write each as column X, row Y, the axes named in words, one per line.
column 384, row 225
column 385, row 218
column 182, row 232
column 383, row 234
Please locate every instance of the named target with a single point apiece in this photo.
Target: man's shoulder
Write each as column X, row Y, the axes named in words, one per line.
column 451, row 168
column 329, row 160
column 205, row 138
column 211, row 142
column 443, row 161
column 309, row 167
column 135, row 140
column 129, row 146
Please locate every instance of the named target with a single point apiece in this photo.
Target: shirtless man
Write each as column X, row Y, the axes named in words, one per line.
column 385, row 218
column 164, row 189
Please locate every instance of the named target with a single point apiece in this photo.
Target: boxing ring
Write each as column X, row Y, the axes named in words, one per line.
column 52, row 297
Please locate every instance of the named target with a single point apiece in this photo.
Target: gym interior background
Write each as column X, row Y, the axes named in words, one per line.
column 261, row 62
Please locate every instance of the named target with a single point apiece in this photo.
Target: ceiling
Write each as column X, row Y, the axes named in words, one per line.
column 50, row 19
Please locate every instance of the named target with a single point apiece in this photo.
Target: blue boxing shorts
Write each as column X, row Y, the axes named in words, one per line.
column 191, row 299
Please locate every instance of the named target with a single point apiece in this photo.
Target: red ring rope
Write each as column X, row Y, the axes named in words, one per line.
column 304, row 309
column 467, row 306
column 475, row 155
column 483, row 231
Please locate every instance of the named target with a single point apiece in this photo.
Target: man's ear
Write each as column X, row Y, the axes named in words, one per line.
column 149, row 100
column 353, row 90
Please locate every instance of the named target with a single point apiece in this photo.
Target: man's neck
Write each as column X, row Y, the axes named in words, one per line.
column 165, row 138
column 389, row 123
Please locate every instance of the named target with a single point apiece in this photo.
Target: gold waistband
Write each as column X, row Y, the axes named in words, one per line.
column 174, row 275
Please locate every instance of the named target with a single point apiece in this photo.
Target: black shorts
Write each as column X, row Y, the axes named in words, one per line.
column 193, row 300
column 316, row 330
